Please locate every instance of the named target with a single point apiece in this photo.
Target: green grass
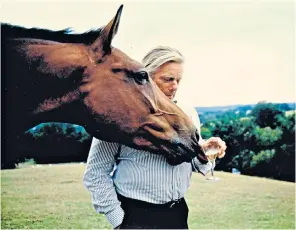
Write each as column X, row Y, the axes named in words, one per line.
column 50, row 197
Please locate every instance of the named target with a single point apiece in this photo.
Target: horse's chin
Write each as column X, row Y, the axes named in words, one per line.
column 176, row 156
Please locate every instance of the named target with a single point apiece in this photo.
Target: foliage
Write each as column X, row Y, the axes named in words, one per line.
column 26, row 163
column 266, row 114
column 56, row 143
column 264, row 156
column 261, row 144
column 59, row 130
column 260, row 141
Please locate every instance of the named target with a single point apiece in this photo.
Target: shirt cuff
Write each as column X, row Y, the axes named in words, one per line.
column 115, row 217
column 202, row 168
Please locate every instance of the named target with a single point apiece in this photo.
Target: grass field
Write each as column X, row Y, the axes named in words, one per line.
column 53, row 197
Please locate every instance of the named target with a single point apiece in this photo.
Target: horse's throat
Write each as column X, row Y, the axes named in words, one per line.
column 55, row 103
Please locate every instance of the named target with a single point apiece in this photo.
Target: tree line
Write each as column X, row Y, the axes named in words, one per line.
column 260, row 141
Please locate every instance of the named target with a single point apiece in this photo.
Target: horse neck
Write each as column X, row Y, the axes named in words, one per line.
column 34, row 97
column 61, row 100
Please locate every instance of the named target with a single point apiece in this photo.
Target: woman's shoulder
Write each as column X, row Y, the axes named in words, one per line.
column 99, row 142
column 186, row 108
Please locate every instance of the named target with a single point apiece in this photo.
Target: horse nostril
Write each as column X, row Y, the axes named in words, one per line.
column 155, row 127
column 197, row 136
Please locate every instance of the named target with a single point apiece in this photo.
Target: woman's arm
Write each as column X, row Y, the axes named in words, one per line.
column 98, row 180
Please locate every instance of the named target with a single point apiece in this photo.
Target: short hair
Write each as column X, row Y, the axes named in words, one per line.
column 159, row 56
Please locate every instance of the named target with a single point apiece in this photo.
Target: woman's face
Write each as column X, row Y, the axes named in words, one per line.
column 167, row 77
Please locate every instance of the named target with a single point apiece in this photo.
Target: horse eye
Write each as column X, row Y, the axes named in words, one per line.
column 141, row 77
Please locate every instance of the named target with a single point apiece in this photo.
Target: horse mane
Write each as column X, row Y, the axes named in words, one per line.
column 9, row 31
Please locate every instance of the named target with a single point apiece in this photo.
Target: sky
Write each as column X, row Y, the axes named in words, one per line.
column 236, row 52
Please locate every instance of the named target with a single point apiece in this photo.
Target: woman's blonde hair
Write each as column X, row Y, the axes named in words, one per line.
column 159, row 56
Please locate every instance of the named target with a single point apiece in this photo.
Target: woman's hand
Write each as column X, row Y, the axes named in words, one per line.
column 215, row 143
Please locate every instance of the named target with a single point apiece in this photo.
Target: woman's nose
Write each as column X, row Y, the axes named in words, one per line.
column 174, row 85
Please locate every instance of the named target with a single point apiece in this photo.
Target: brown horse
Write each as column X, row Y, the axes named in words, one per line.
column 81, row 79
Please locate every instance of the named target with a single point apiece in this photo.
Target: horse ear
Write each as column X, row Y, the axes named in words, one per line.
column 103, row 43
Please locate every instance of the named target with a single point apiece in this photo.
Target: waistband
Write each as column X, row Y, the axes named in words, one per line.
column 144, row 204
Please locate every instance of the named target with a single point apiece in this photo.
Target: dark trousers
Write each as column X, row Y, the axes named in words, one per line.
column 143, row 215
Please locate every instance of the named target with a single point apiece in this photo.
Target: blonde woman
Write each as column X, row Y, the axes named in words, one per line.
column 144, row 191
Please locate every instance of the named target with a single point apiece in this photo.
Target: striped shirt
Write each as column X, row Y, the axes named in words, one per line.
column 139, row 175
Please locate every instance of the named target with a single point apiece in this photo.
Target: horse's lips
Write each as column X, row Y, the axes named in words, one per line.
column 182, row 153
column 175, row 150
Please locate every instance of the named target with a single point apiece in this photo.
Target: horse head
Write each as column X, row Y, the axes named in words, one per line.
column 99, row 87
column 127, row 107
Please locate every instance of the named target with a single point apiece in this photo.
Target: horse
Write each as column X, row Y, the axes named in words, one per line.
column 58, row 76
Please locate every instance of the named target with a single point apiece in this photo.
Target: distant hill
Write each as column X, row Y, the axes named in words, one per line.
column 240, row 107
column 204, row 112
